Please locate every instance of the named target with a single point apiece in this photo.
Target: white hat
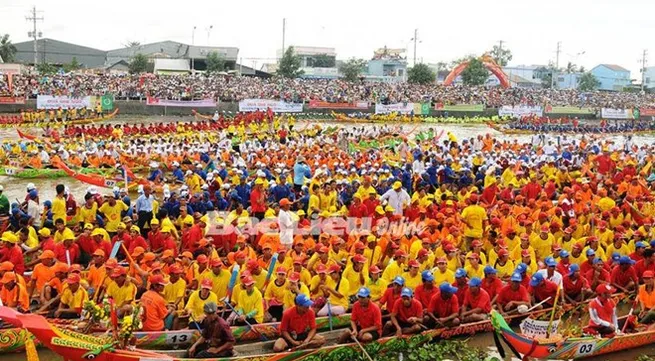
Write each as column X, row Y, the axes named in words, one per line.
column 154, row 165
column 176, row 164
column 199, row 166
column 188, row 173
column 2, row 188
column 30, row 186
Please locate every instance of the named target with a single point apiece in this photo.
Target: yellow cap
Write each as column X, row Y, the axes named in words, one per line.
column 379, row 210
column 301, row 213
column 45, row 232
column 154, row 221
column 97, row 232
column 9, row 237
column 397, row 185
column 259, row 181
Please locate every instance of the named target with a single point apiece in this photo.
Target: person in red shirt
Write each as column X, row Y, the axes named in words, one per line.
column 12, row 252
column 444, row 308
column 491, row 283
column 258, row 200
column 298, row 327
column 137, row 239
column 392, row 294
column 542, row 289
column 624, row 276
column 598, row 275
column 602, row 313
column 365, row 320
column 121, row 235
column 513, row 295
column 638, row 254
column 477, row 304
column 647, row 263
column 424, row 292
column 576, row 288
column 45, row 240
column 406, row 316
column 461, row 283
column 357, row 208
column 68, row 251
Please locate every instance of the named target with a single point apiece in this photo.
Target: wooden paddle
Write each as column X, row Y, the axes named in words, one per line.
column 362, row 348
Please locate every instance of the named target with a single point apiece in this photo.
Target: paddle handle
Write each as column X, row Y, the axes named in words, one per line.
column 552, row 314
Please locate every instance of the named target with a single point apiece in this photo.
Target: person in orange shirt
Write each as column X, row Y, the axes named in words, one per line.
column 155, row 306
column 98, row 275
column 13, row 294
column 55, row 286
column 42, row 273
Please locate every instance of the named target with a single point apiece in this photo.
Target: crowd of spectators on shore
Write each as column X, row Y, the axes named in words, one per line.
column 229, row 88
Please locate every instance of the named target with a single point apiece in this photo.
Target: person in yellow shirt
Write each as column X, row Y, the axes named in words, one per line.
column 412, row 276
column 197, row 300
column 112, row 209
column 542, row 242
column 174, row 291
column 356, row 274
column 250, row 304
column 618, row 246
column 59, row 204
column 504, row 265
column 305, row 276
column 395, row 267
column 274, row 294
column 295, row 287
column 72, row 298
column 516, row 254
column 476, row 247
column 62, row 231
column 336, row 290
column 376, row 284
column 576, row 256
column 442, row 273
column 474, row 269
column 220, row 278
column 474, row 217
column 122, row 290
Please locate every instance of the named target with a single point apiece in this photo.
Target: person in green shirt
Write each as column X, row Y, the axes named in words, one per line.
column 4, row 203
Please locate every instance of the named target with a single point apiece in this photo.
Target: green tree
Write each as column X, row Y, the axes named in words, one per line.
column 475, row 73
column 138, row 64
column 571, row 68
column 322, row 61
column 72, row 66
column 46, row 68
column 500, row 55
column 588, row 82
column 131, row 43
column 215, row 62
column 545, row 74
column 289, row 65
column 7, row 49
column 352, row 69
column 420, row 74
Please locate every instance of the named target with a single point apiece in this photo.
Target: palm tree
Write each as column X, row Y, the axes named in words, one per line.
column 7, row 49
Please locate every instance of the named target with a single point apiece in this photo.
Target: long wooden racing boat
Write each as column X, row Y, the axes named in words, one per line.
column 570, row 348
column 48, row 173
column 510, row 131
column 55, row 124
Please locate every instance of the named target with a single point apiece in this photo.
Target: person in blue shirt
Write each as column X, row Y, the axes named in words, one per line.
column 222, row 172
column 282, row 190
column 303, row 202
column 177, row 172
column 209, row 163
column 300, row 172
column 172, row 206
column 243, row 191
column 200, row 172
column 156, row 175
column 220, row 204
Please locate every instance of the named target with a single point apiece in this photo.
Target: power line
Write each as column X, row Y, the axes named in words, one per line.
column 34, row 33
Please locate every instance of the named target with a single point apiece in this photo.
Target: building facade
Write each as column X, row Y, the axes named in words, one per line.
column 611, row 77
column 316, row 62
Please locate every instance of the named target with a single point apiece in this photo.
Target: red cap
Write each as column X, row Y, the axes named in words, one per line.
column 503, row 252
column 648, row 274
column 216, row 262
column 374, row 269
column 157, row 280
column 321, row 269
column 441, row 260
column 557, row 247
column 294, row 277
column 118, row 271
column 474, row 255
column 604, row 288
column 449, row 248
column 525, row 236
column 281, row 270
column 334, row 268
column 73, row 278
column 476, row 243
column 248, row 281
column 359, row 245
column 400, row 253
column 359, row 258
column 544, row 228
column 414, row 263
column 525, row 253
column 207, row 284
column 175, row 269
column 252, row 264
column 323, row 249
column 473, row 198
column 423, row 252
column 201, row 258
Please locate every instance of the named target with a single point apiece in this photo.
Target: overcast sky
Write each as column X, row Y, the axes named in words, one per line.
column 607, row 31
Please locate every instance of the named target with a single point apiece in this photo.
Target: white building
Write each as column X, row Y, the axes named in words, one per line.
column 315, row 61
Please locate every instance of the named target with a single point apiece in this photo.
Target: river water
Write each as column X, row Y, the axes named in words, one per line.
column 15, row 189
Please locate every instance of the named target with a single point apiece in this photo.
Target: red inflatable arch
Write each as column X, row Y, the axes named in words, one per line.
column 489, row 63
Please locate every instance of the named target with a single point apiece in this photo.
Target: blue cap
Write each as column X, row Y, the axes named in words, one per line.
column 598, row 260
column 48, row 204
column 564, row 253
column 522, row 268
column 536, row 279
column 574, row 268
column 399, row 280
column 475, row 282
column 363, row 292
column 427, row 276
column 488, row 269
column 303, row 300
column 591, row 252
column 626, row 260
column 550, row 262
column 460, row 273
column 447, row 288
column 640, row 244
column 406, row 292
column 616, row 256
column 652, row 243
column 516, row 277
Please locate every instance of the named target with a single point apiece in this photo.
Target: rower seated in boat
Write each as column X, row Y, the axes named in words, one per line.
column 443, row 310
column 197, row 301
column 576, row 287
column 365, row 319
column 646, row 297
column 155, row 307
column 513, row 295
column 298, row 327
column 477, row 304
column 542, row 289
column 250, row 304
column 13, row 294
column 624, row 277
column 72, row 298
column 602, row 313
column 406, row 315
column 216, row 339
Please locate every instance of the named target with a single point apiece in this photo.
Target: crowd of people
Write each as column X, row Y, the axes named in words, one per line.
column 425, row 233
column 234, row 88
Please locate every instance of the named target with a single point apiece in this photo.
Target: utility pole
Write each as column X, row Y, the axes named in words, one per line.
column 284, row 33
column 34, row 34
column 415, row 40
column 644, row 62
column 193, row 42
column 554, row 72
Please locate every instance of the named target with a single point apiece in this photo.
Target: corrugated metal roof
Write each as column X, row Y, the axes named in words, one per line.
column 614, row 67
column 200, row 52
column 59, row 52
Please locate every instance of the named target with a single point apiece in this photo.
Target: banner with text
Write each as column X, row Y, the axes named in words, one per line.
column 315, row 104
column 610, row 113
column 201, row 103
column 12, row 100
column 645, row 112
column 537, row 328
column 278, row 106
column 568, row 110
column 64, row 102
column 459, row 107
column 403, row 108
column 518, row 111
